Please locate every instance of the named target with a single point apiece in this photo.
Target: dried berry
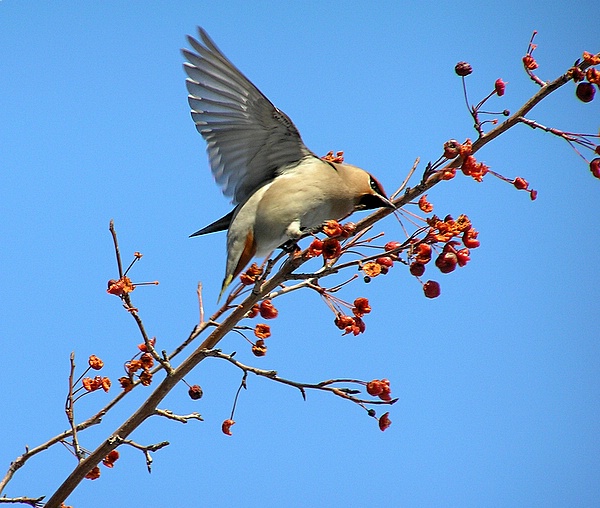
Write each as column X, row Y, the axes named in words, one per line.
column 361, row 307
column 110, row 459
column 529, row 63
column 384, row 421
column 425, row 205
column 463, row 69
column 267, row 311
column 262, row 331
column 195, row 392
column 462, row 256
column 331, row 248
column 259, row 349
column 95, row 362
column 451, row 149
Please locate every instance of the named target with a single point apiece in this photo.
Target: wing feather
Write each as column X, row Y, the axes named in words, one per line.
column 249, row 140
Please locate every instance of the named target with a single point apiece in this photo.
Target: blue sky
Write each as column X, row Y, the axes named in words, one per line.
column 497, row 378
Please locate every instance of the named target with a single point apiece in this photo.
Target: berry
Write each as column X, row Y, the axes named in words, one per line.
column 585, row 91
column 463, row 69
column 432, row 289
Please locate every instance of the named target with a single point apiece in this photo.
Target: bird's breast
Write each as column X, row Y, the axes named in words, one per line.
column 304, row 199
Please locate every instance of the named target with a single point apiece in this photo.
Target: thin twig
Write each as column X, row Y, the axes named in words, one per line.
column 345, row 393
column 200, row 303
column 146, row 449
column 178, row 418
column 31, row 501
column 405, row 182
column 111, row 227
column 69, row 408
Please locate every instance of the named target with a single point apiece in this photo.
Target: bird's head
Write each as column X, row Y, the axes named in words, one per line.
column 368, row 192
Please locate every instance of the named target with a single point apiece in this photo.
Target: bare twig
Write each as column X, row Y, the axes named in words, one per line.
column 31, row 501
column 69, row 409
column 406, row 180
column 200, row 302
column 146, row 449
column 111, row 227
column 178, row 418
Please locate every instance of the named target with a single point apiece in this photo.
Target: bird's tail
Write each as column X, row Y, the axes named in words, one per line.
column 226, row 281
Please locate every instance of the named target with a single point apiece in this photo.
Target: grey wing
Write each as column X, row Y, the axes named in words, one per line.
column 248, row 138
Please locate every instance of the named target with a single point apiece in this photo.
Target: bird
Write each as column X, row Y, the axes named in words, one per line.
column 280, row 188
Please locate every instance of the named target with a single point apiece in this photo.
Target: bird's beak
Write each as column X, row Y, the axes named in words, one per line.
column 387, row 203
column 370, row 201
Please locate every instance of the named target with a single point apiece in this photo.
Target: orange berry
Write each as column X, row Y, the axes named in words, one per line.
column 267, row 311
column 226, row 427
column 262, row 331
column 259, row 349
column 374, row 387
column 331, row 248
column 95, row 362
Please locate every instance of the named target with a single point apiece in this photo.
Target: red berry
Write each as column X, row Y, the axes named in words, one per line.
column 417, row 269
column 585, row 91
column 432, row 289
column 446, row 262
column 451, row 149
column 520, row 183
column 385, row 261
column 500, row 86
column 595, row 167
column 392, row 245
column 462, row 256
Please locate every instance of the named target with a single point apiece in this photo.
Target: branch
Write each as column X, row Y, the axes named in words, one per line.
column 146, row 449
column 345, row 393
column 31, row 501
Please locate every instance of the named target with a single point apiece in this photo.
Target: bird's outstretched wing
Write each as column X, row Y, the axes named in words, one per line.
column 249, row 140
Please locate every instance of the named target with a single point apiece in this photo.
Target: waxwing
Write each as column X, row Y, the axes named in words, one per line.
column 280, row 188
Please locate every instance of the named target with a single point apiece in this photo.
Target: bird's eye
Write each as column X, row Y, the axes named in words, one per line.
column 375, row 185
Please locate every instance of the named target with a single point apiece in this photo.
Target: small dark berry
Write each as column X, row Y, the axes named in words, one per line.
column 463, row 69
column 585, row 91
